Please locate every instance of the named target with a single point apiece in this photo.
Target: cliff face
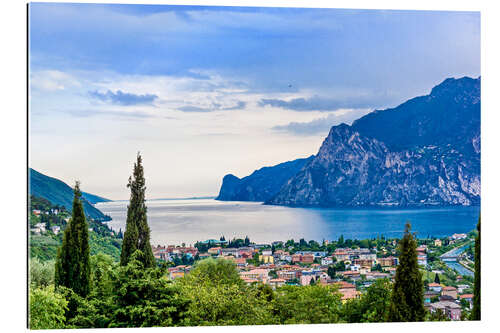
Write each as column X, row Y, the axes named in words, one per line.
column 425, row 152
column 262, row 184
column 352, row 170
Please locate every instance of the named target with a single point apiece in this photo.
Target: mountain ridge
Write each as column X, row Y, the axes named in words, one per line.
column 59, row 193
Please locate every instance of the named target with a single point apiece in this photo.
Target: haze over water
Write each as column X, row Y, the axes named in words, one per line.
column 190, row 220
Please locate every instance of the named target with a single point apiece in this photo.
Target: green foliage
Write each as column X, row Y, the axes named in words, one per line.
column 41, row 273
column 44, row 247
column 372, row 307
column 72, row 264
column 476, row 308
column 129, row 296
column 307, row 304
column 407, row 300
column 46, row 308
column 213, row 271
column 137, row 231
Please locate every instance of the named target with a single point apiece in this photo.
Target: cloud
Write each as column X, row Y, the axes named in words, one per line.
column 214, row 107
column 315, row 103
column 123, row 98
column 320, row 125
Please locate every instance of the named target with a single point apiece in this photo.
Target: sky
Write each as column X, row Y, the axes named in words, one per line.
column 206, row 91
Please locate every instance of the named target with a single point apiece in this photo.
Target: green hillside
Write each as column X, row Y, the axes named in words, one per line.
column 59, row 193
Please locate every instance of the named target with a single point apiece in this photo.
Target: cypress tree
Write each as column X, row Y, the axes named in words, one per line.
column 73, row 257
column 137, row 234
column 436, row 279
column 476, row 308
column 407, row 299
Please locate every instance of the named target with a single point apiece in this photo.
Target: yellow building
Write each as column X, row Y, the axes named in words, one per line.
column 438, row 242
column 266, row 259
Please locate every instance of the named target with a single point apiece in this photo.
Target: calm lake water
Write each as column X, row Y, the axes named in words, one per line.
column 189, row 220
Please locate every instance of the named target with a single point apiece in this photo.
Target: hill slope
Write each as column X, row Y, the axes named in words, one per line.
column 262, row 184
column 59, row 193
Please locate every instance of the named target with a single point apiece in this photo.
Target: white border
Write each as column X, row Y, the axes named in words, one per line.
column 13, row 130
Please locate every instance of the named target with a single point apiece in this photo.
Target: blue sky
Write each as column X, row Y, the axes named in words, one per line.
column 204, row 91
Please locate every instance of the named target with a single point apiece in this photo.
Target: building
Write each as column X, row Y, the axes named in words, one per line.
column 347, row 290
column 458, row 236
column 215, row 250
column 36, row 212
column 468, row 297
column 438, row 242
column 258, row 274
column 341, row 255
column 450, row 309
column 230, row 251
column 449, row 291
column 55, row 229
column 387, row 262
column 422, row 260
column 429, row 295
column 326, row 261
column 40, row 226
column 276, row 283
column 436, row 287
column 266, row 259
column 307, row 259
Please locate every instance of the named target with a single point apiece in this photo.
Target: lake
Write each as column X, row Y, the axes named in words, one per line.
column 189, row 220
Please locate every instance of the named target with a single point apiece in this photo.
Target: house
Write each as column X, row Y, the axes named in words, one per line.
column 176, row 274
column 422, row 260
column 259, row 274
column 375, row 275
column 351, row 274
column 305, row 280
column 367, row 263
column 266, row 259
column 296, row 258
column 387, row 262
column 347, row 290
column 458, row 236
column 276, row 283
column 240, row 262
column 288, row 274
column 436, row 287
column 307, row 259
column 341, row 255
column 55, row 229
column 468, row 297
column 429, row 295
column 316, row 254
column 450, row 309
column 267, row 252
column 462, row 287
column 40, row 226
column 230, row 251
column 449, row 291
column 215, row 250
column 36, row 212
column 438, row 242
column 368, row 257
column 326, row 261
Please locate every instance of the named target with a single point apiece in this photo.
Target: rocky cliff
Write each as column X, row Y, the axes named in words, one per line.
column 425, row 152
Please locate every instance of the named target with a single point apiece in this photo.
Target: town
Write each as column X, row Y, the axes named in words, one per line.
column 350, row 265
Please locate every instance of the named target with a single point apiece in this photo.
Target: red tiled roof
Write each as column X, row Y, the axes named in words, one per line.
column 449, row 288
column 466, row 296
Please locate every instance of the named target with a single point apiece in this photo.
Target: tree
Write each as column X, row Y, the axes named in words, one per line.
column 73, row 257
column 476, row 308
column 407, row 301
column 137, row 231
column 41, row 273
column 47, row 309
column 436, row 279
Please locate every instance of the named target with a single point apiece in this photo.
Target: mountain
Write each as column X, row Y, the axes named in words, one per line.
column 59, row 193
column 262, row 184
column 425, row 152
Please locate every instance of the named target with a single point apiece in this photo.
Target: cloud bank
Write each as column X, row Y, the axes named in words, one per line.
column 122, row 98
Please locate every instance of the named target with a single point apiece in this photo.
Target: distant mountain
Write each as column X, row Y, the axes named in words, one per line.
column 262, row 184
column 59, row 193
column 425, row 152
